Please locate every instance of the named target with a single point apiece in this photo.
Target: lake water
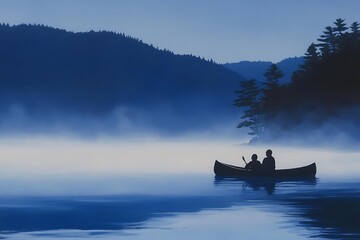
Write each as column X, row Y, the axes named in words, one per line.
column 156, row 189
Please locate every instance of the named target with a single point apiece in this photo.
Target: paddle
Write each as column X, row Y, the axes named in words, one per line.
column 244, row 159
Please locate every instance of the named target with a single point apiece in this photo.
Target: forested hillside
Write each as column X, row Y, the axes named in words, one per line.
column 106, row 81
column 322, row 102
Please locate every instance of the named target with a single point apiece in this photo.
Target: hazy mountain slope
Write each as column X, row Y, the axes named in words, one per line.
column 103, row 81
column 256, row 69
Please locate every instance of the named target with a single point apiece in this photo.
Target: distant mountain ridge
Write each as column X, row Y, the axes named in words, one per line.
column 104, row 81
column 256, row 69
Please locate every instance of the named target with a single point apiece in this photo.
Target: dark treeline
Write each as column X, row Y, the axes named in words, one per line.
column 322, row 99
column 51, row 74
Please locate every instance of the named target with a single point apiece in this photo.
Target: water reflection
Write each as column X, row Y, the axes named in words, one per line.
column 330, row 209
column 311, row 208
column 333, row 212
column 255, row 184
column 88, row 213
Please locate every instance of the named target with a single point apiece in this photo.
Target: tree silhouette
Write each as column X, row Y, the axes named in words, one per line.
column 355, row 30
column 248, row 98
column 327, row 42
column 311, row 57
column 271, row 95
column 340, row 27
column 272, row 74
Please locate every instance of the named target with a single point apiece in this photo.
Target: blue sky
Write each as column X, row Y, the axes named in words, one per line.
column 225, row 31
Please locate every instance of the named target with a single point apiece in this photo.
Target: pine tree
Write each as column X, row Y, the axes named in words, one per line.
column 355, row 33
column 273, row 75
column 271, row 96
column 327, row 42
column 340, row 27
column 271, row 87
column 311, row 57
column 248, row 97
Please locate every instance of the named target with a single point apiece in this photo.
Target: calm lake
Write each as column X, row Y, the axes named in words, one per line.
column 157, row 189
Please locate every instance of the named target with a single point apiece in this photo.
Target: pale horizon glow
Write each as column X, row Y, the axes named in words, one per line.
column 67, row 157
column 56, row 167
column 229, row 31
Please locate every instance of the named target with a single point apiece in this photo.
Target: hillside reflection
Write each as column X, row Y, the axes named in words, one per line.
column 329, row 209
column 334, row 213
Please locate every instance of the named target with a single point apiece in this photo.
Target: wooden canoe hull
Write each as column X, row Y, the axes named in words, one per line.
column 222, row 169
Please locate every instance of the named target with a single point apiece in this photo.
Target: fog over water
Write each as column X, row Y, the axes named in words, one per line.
column 47, row 165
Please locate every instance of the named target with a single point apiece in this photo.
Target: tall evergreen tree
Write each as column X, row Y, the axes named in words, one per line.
column 327, row 42
column 341, row 35
column 271, row 96
column 311, row 57
column 273, row 75
column 355, row 32
column 248, row 98
column 340, row 27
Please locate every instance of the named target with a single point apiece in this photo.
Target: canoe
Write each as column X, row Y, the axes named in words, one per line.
column 222, row 169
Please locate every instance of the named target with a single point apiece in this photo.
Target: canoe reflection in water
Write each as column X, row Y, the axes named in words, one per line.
column 260, row 183
column 268, row 185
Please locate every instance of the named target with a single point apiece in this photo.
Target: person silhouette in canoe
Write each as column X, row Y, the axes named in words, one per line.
column 268, row 164
column 254, row 164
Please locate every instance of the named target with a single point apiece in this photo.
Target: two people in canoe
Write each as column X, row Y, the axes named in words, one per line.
column 267, row 165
